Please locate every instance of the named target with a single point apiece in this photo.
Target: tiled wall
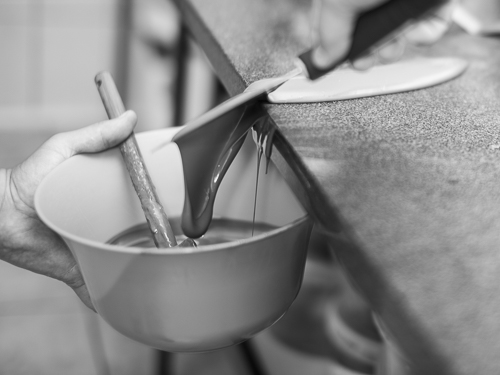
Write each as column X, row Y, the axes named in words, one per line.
column 50, row 51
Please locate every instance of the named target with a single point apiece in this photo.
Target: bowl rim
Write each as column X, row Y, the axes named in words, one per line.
column 142, row 250
column 172, row 250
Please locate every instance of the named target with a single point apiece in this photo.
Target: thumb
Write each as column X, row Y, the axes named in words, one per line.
column 100, row 136
column 93, row 138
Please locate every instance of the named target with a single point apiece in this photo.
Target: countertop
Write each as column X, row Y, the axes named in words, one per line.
column 407, row 185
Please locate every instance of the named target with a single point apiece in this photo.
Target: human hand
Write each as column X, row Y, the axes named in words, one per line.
column 334, row 22
column 25, row 241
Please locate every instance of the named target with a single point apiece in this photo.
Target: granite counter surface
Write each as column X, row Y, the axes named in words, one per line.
column 413, row 178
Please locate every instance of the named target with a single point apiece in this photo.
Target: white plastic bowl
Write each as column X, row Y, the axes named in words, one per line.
column 178, row 299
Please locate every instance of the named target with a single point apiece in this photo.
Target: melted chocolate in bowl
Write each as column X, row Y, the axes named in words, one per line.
column 220, row 231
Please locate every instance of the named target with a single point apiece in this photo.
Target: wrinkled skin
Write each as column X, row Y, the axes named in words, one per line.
column 25, row 241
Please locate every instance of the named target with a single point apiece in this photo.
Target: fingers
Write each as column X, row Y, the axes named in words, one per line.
column 391, row 51
column 100, row 136
column 336, row 20
column 432, row 28
column 388, row 53
column 84, row 296
column 31, row 244
column 427, row 31
column 74, row 279
column 335, row 27
column 27, row 243
column 93, row 138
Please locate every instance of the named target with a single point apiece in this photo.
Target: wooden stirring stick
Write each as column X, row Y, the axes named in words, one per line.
column 159, row 225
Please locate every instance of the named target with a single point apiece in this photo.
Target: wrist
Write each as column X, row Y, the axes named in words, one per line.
column 4, row 183
column 6, row 213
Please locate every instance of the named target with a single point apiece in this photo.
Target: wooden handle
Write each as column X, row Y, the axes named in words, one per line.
column 159, row 225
